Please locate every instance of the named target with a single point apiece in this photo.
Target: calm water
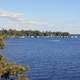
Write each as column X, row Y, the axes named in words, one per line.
column 49, row 59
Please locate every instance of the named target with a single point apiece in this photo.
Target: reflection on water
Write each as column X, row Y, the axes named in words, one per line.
column 49, row 59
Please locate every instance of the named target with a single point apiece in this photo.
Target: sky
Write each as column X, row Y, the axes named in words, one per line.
column 44, row 15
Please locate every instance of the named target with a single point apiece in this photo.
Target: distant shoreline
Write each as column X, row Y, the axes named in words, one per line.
column 5, row 34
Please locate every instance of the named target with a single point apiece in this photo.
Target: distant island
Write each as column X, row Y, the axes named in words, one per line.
column 33, row 34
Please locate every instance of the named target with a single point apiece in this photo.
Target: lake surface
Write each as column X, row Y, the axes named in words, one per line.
column 49, row 59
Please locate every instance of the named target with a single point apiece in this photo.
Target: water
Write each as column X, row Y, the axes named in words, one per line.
column 49, row 59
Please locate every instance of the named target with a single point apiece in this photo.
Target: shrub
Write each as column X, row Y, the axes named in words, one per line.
column 8, row 69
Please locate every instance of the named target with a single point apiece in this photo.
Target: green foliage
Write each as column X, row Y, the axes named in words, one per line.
column 2, row 43
column 9, row 69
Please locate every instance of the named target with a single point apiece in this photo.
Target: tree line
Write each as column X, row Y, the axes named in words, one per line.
column 34, row 33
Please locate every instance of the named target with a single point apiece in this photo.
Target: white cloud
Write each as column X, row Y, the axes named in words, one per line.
column 19, row 17
column 14, row 15
column 22, row 23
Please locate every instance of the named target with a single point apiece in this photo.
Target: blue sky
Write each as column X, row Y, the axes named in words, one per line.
column 59, row 15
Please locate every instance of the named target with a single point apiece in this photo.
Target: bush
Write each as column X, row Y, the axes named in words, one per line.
column 8, row 69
